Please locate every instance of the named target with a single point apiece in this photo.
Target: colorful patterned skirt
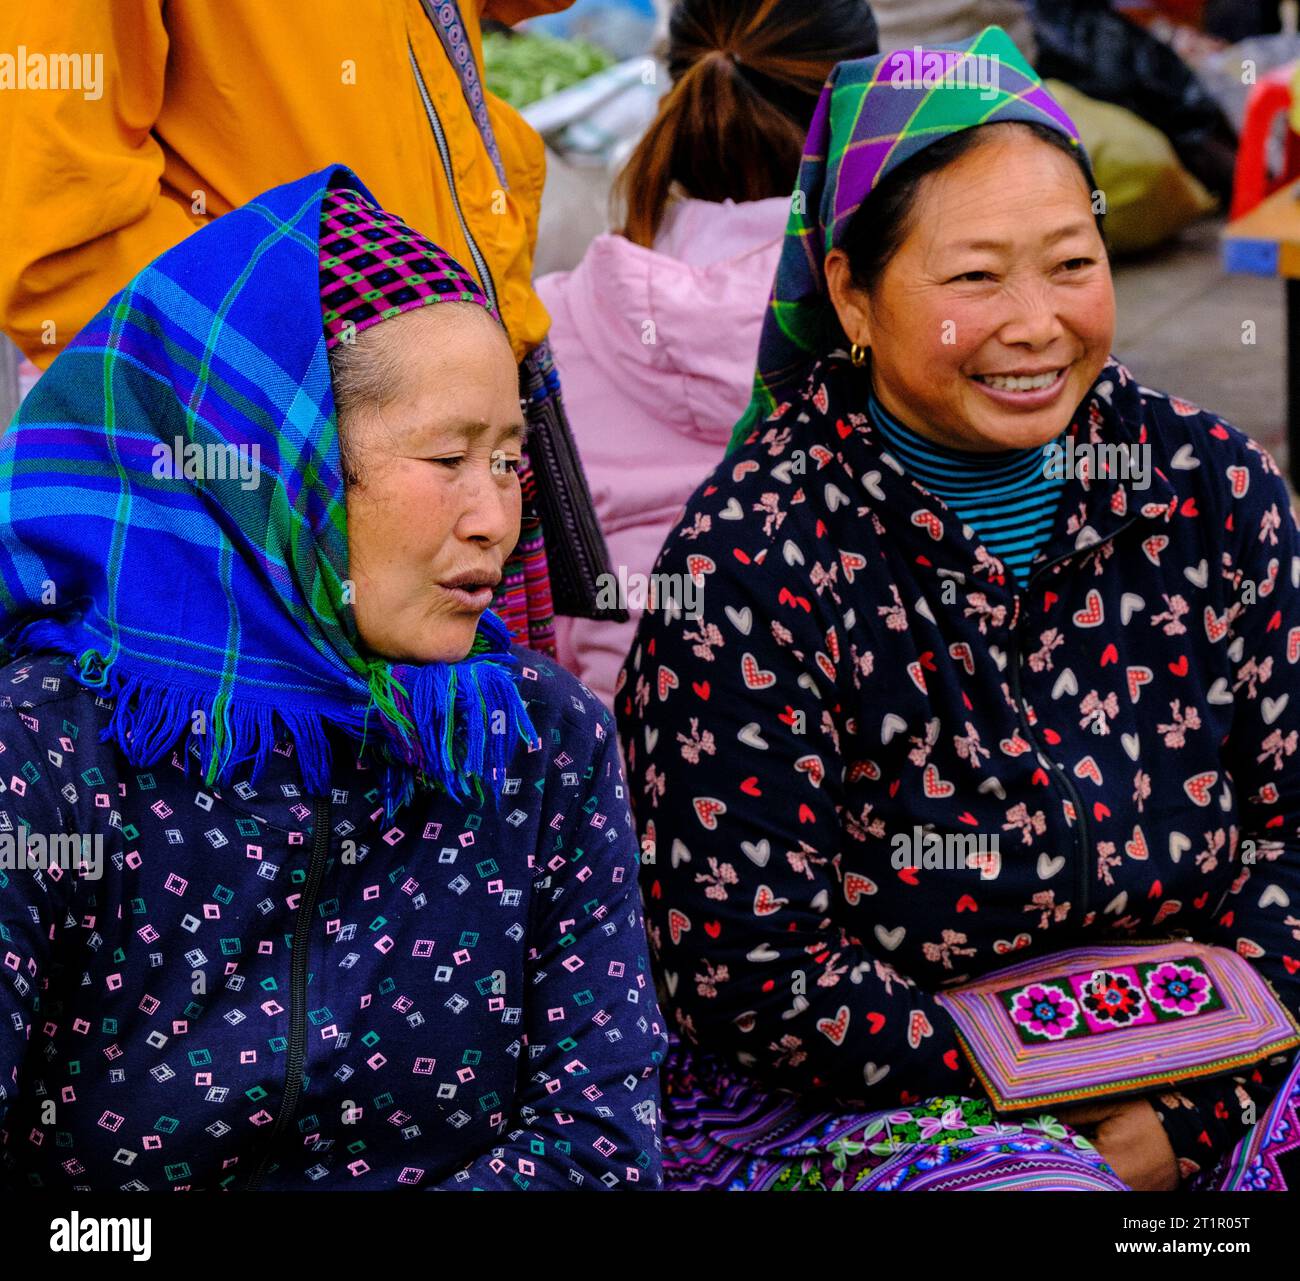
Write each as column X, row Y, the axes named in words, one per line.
column 722, row 1132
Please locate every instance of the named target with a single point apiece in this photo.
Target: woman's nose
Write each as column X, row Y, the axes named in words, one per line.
column 1034, row 321
column 491, row 506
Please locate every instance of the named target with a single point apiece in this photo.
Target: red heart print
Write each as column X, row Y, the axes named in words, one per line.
column 1240, row 480
column 702, row 689
column 713, row 928
column 678, row 924
column 960, row 652
column 755, row 677
column 1180, row 667
column 750, row 786
column 936, row 787
column 950, row 1059
column 1137, row 846
column 1100, row 811
column 929, row 522
column 1109, row 655
column 918, row 1027
column 1198, row 787
column 855, row 886
column 1153, row 546
column 875, row 1021
column 741, row 470
column 834, row 1029
column 1216, row 628
column 697, row 566
column 822, row 402
column 765, row 902
column 813, row 767
column 667, row 681
column 1137, row 677
column 1089, row 769
column 1091, row 614
column 707, row 810
column 967, row 904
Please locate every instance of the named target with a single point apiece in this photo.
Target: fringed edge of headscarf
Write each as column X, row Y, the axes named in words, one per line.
column 419, row 744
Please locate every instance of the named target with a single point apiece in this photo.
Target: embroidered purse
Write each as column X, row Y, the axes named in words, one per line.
column 1112, row 1019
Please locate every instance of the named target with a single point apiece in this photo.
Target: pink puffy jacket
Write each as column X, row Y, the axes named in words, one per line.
column 656, row 350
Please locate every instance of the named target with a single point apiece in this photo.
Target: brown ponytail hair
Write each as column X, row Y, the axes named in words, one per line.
column 746, row 78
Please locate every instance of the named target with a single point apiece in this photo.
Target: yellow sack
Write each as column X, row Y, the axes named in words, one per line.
column 1149, row 195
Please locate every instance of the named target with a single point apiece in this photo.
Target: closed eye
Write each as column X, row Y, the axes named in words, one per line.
column 974, row 277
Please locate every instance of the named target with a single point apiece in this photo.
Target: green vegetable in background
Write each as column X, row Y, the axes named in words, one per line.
column 525, row 68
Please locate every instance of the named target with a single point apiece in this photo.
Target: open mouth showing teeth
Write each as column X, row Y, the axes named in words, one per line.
column 1037, row 382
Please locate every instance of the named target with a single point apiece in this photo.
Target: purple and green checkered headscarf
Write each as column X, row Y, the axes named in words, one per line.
column 213, row 599
column 874, row 114
column 374, row 267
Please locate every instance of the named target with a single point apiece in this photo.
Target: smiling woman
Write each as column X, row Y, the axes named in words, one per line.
column 912, row 621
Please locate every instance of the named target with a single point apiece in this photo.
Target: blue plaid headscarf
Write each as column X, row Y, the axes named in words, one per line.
column 212, row 608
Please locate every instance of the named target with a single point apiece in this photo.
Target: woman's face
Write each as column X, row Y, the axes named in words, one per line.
column 1002, row 275
column 435, row 510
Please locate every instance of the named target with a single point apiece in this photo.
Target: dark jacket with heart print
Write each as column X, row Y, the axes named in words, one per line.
column 273, row 990
column 1124, row 722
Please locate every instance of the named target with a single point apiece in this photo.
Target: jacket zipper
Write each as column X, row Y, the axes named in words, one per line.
column 1013, row 659
column 440, row 137
column 297, row 1051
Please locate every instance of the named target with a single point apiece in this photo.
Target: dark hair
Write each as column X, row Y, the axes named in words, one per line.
column 881, row 224
column 746, row 78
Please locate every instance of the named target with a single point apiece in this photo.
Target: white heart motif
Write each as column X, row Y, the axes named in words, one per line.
column 1065, row 684
column 873, row 1075
column 891, row 725
column 758, row 852
column 1048, row 866
column 1275, row 896
column 1178, row 845
column 890, row 939
column 1274, row 707
column 750, row 736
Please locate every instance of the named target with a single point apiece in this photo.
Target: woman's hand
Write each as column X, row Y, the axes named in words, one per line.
column 1128, row 1133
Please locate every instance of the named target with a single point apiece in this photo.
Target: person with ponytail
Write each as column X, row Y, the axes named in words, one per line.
column 654, row 332
column 345, row 888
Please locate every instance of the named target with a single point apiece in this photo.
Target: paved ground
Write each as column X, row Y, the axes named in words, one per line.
column 1180, row 328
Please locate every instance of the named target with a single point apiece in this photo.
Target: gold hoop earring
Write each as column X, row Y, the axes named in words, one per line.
column 858, row 355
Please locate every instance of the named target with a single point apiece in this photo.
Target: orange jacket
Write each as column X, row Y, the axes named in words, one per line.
column 202, row 104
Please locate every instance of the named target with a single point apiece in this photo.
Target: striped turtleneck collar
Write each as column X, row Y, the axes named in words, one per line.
column 1006, row 496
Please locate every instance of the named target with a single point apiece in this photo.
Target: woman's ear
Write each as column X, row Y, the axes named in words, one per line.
column 850, row 301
